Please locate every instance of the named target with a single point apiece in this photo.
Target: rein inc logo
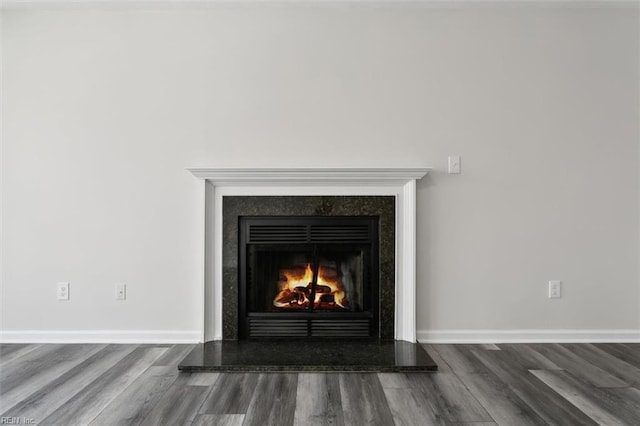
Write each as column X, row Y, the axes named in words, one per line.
column 17, row 421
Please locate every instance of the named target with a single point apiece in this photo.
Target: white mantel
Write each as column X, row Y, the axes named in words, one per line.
column 220, row 182
column 309, row 175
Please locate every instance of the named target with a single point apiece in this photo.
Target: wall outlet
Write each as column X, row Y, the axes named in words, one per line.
column 121, row 291
column 62, row 290
column 555, row 289
column 454, row 164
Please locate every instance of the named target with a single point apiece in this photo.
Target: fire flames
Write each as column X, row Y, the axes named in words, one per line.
column 295, row 290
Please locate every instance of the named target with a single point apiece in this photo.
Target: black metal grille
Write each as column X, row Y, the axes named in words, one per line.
column 328, row 233
column 309, row 233
column 269, row 327
column 340, row 328
column 278, row 233
column 278, row 328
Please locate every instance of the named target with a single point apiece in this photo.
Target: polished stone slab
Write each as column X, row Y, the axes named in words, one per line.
column 308, row 355
column 233, row 207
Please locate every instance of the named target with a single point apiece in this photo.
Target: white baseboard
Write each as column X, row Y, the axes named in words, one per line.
column 101, row 336
column 528, row 336
column 424, row 336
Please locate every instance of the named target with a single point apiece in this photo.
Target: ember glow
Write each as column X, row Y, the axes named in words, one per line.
column 295, row 290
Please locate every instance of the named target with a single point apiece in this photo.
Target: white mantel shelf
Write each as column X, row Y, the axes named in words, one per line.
column 221, row 182
column 314, row 174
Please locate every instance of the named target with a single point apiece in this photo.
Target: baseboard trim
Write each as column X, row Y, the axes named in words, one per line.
column 528, row 336
column 101, row 336
column 424, row 336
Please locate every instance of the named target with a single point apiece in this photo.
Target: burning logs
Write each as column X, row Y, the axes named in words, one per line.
column 299, row 297
column 297, row 291
column 327, row 298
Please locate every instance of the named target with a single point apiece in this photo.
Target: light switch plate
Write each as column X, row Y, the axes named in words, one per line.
column 121, row 291
column 555, row 289
column 454, row 164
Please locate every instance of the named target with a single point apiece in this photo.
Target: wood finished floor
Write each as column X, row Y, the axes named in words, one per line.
column 533, row 384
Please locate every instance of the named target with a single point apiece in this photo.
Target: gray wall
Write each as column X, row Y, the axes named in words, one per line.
column 104, row 109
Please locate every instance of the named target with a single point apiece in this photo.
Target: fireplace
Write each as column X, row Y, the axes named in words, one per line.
column 226, row 194
column 308, row 277
column 340, row 268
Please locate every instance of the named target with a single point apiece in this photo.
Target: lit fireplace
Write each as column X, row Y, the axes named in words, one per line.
column 297, row 288
column 309, row 277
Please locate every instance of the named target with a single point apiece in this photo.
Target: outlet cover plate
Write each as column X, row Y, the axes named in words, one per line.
column 62, row 290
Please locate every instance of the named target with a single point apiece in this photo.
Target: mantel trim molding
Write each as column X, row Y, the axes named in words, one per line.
column 329, row 174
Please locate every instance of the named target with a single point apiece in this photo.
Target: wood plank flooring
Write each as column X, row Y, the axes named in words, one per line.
column 537, row 384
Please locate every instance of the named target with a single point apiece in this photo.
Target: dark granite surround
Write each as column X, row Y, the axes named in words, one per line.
column 310, row 355
column 235, row 206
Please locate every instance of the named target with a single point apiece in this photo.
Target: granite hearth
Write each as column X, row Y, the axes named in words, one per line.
column 313, row 355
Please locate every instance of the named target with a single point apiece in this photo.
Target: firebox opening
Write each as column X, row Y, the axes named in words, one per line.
column 309, row 277
column 288, row 280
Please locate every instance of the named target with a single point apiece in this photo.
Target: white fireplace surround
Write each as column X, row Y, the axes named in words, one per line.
column 219, row 182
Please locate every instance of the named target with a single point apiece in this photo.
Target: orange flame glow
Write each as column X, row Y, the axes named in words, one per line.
column 295, row 290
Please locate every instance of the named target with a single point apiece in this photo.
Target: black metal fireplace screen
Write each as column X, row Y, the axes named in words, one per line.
column 303, row 277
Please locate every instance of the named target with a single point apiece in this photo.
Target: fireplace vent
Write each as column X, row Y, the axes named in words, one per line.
column 352, row 328
column 278, row 328
column 278, row 233
column 268, row 327
column 357, row 233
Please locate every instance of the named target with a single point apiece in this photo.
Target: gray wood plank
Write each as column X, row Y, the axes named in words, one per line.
column 543, row 400
column 49, row 397
column 490, row 347
column 32, row 376
column 8, row 347
column 274, row 400
column 502, row 404
column 620, row 351
column 218, row 420
column 411, row 407
column 451, row 400
column 363, row 400
column 173, row 356
column 90, row 401
column 603, row 407
column 473, row 424
column 394, row 381
column 179, row 404
column 530, row 359
column 14, row 351
column 569, row 361
column 443, row 366
column 607, row 362
column 34, row 361
column 460, row 359
column 318, row 401
column 134, row 403
column 629, row 395
column 42, row 352
column 203, row 379
column 231, row 394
